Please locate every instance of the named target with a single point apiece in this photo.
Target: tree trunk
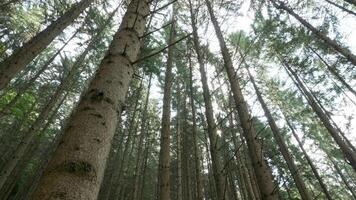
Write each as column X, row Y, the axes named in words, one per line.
column 164, row 157
column 143, row 136
column 179, row 145
column 77, row 167
column 209, row 113
column 310, row 162
column 342, row 7
column 25, row 54
column 281, row 144
column 46, row 111
column 334, row 72
column 332, row 43
column 350, row 155
column 352, row 2
column 343, row 178
column 30, row 83
column 199, row 188
column 260, row 166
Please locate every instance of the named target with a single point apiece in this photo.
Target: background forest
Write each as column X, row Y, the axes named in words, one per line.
column 177, row 99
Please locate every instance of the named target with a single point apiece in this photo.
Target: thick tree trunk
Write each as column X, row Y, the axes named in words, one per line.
column 350, row 155
column 281, row 144
column 143, row 136
column 199, row 187
column 24, row 55
column 77, row 167
column 332, row 43
column 310, row 162
column 260, row 166
column 209, row 113
column 164, row 154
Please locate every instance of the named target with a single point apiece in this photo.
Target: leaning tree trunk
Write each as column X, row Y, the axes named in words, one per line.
column 341, row 7
column 334, row 72
column 46, row 111
column 332, row 43
column 77, row 167
column 199, row 187
column 342, row 176
column 164, row 157
column 260, row 166
column 310, row 162
column 24, row 55
column 30, row 83
column 353, row 2
column 281, row 144
column 350, row 155
column 209, row 113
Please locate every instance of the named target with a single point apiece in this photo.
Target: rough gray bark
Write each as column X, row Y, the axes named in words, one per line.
column 25, row 54
column 77, row 167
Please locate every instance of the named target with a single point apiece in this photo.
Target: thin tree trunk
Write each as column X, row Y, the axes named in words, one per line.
column 164, row 157
column 332, row 43
column 334, row 72
column 310, row 162
column 209, row 113
column 28, row 187
column 281, row 144
column 25, row 54
column 179, row 145
column 343, row 178
column 350, row 155
column 199, row 188
column 352, row 2
column 260, row 166
column 341, row 7
column 77, row 167
column 143, row 136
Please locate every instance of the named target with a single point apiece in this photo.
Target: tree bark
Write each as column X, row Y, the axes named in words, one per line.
column 342, row 7
column 304, row 193
column 45, row 113
column 143, row 136
column 334, row 72
column 199, row 187
column 30, row 83
column 209, row 113
column 352, row 2
column 77, row 167
column 260, row 166
column 350, row 155
column 164, row 157
column 310, row 162
column 343, row 178
column 332, row 43
column 25, row 54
